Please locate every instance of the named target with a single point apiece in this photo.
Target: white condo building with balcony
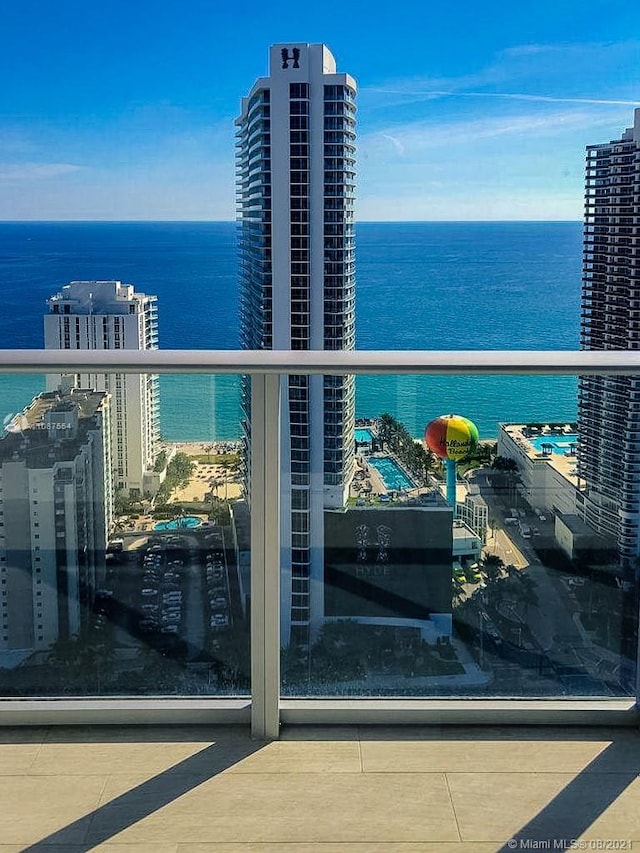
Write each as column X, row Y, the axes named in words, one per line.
column 106, row 315
column 609, row 406
column 295, row 187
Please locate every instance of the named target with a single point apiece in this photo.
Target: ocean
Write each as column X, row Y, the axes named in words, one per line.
column 493, row 285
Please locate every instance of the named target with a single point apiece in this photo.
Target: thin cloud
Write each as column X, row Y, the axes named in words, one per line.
column 413, row 137
column 35, row 171
column 399, row 147
column 573, row 68
column 518, row 96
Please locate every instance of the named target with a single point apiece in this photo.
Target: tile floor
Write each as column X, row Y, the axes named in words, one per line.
column 366, row 789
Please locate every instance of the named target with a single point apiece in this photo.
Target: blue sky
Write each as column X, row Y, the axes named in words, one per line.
column 124, row 110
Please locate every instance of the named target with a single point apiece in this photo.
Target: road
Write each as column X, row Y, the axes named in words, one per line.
column 552, row 620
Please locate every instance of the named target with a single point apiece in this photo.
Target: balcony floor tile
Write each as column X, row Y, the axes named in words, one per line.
column 494, row 756
column 302, row 807
column 318, row 790
column 33, row 807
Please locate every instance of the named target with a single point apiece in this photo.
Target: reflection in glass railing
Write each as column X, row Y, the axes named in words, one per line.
column 455, row 567
column 124, row 555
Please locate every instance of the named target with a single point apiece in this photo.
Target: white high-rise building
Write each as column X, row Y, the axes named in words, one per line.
column 103, row 315
column 609, row 406
column 55, row 511
column 296, row 186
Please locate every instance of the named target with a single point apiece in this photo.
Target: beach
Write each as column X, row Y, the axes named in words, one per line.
column 207, row 477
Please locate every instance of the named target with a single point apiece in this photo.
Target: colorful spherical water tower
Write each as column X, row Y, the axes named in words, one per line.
column 452, row 438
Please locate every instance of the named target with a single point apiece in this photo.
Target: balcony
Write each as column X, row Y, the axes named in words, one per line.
column 512, row 769
column 512, row 666
column 173, row 789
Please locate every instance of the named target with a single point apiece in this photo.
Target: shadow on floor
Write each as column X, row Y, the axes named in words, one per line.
column 106, row 821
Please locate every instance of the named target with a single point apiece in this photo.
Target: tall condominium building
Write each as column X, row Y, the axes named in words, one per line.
column 102, row 315
column 55, row 511
column 609, row 406
column 295, row 186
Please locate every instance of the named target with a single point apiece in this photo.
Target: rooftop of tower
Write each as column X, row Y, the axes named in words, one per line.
column 55, row 419
column 99, row 297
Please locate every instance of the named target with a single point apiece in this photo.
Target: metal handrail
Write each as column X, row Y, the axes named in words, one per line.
column 322, row 361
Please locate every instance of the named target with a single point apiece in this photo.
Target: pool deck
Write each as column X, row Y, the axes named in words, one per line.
column 387, row 488
column 368, row 482
column 565, row 465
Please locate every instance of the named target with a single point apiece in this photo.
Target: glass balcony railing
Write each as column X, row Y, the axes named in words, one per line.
column 288, row 557
column 124, row 558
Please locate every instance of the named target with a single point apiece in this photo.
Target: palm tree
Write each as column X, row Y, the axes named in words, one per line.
column 457, row 591
column 386, row 428
column 493, row 566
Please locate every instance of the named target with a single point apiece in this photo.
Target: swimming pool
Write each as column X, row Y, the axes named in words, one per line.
column 560, row 444
column 189, row 521
column 363, row 436
column 392, row 474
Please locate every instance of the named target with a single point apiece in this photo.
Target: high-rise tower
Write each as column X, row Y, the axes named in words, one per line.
column 55, row 512
column 102, row 315
column 609, row 406
column 295, row 186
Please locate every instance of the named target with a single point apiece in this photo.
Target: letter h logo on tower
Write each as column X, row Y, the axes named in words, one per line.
column 286, row 58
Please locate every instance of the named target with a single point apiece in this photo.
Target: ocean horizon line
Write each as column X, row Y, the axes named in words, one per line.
column 235, row 222
column 479, row 285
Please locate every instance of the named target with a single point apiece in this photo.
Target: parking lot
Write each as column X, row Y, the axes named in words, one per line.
column 172, row 588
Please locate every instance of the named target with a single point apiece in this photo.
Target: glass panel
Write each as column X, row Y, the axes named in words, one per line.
column 527, row 589
column 124, row 536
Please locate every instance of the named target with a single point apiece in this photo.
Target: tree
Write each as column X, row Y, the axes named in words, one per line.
column 493, row 566
column 457, row 591
column 410, row 452
column 481, row 455
column 161, row 461
column 122, row 503
column 386, row 427
column 504, row 463
column 179, row 470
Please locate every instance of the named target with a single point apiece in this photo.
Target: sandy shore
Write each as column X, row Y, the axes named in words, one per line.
column 207, row 477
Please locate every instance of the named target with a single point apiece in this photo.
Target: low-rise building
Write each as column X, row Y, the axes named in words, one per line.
column 576, row 538
column 545, row 456
column 467, row 545
column 390, row 566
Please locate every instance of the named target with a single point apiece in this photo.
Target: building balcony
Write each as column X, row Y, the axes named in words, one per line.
column 172, row 788
column 492, row 656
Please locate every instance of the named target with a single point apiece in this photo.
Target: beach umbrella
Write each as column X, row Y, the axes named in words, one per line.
column 452, row 438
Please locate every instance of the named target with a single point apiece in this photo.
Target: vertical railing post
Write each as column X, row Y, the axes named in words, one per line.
column 265, row 555
column 637, row 615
